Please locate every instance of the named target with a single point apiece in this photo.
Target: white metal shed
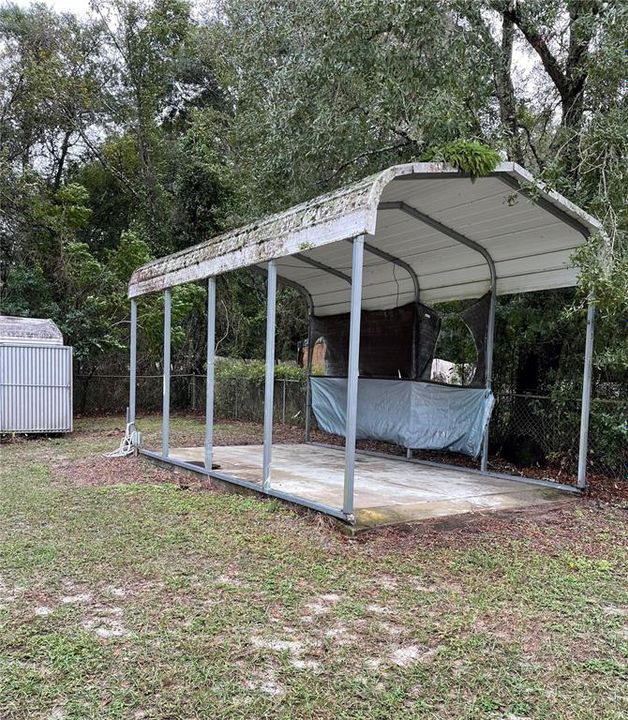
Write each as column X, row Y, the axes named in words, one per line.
column 35, row 377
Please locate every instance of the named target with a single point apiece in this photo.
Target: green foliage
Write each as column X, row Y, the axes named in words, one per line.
column 141, row 128
column 329, row 91
column 70, row 208
column 609, row 435
column 603, row 278
column 468, row 156
column 203, row 181
column 131, row 252
column 186, row 301
column 230, row 369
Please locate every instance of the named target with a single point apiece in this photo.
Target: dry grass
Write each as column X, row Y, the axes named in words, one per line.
column 124, row 596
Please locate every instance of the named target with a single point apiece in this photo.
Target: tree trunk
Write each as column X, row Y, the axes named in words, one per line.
column 65, row 145
column 570, row 82
column 506, row 91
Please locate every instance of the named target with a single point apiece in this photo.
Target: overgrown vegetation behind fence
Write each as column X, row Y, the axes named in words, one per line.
column 235, row 398
column 527, row 430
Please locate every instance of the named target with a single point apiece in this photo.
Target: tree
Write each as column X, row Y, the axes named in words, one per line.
column 140, row 130
column 327, row 91
column 96, row 125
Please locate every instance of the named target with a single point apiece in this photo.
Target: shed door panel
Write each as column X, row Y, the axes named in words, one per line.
column 35, row 389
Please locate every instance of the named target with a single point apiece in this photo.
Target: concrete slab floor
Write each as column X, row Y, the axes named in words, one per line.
column 387, row 490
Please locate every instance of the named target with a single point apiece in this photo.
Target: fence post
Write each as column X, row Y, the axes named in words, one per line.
column 283, row 403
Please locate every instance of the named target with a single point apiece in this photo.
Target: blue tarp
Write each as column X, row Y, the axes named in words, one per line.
column 415, row 415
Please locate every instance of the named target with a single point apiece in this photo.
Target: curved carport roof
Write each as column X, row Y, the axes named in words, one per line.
column 429, row 229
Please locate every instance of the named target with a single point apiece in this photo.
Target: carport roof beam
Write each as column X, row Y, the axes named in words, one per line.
column 395, row 261
column 321, row 266
column 453, row 234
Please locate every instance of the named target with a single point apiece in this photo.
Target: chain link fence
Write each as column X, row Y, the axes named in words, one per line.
column 527, row 431
column 540, row 431
column 234, row 398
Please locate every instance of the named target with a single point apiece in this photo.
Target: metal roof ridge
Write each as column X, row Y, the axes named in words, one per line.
column 18, row 330
column 338, row 215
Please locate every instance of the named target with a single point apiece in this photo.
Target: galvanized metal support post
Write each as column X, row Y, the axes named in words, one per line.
column 353, row 372
column 133, row 363
column 165, row 427
column 308, row 376
column 586, row 398
column 209, row 384
column 488, row 367
column 269, row 383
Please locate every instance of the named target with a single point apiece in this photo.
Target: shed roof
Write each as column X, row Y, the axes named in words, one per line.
column 28, row 331
column 421, row 214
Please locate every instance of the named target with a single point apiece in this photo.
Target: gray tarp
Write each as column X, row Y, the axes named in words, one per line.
column 411, row 414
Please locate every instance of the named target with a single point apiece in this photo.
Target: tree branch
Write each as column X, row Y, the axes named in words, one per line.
column 512, row 12
column 362, row 155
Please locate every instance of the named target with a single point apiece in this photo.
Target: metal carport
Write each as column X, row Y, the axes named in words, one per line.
column 415, row 231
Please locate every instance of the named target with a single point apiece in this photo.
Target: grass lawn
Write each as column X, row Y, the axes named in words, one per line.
column 123, row 595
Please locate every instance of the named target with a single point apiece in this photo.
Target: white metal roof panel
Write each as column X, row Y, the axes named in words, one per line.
column 529, row 232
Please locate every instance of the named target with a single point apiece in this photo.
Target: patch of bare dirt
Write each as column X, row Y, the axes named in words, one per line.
column 9, row 593
column 607, row 489
column 98, row 617
column 97, row 470
column 575, row 524
column 409, row 654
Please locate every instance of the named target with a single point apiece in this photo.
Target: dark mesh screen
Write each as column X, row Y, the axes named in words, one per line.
column 386, row 342
column 476, row 317
column 399, row 342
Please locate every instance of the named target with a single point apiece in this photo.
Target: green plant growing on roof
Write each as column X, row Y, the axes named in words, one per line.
column 468, row 156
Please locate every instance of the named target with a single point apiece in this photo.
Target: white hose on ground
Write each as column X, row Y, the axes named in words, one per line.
column 126, row 446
